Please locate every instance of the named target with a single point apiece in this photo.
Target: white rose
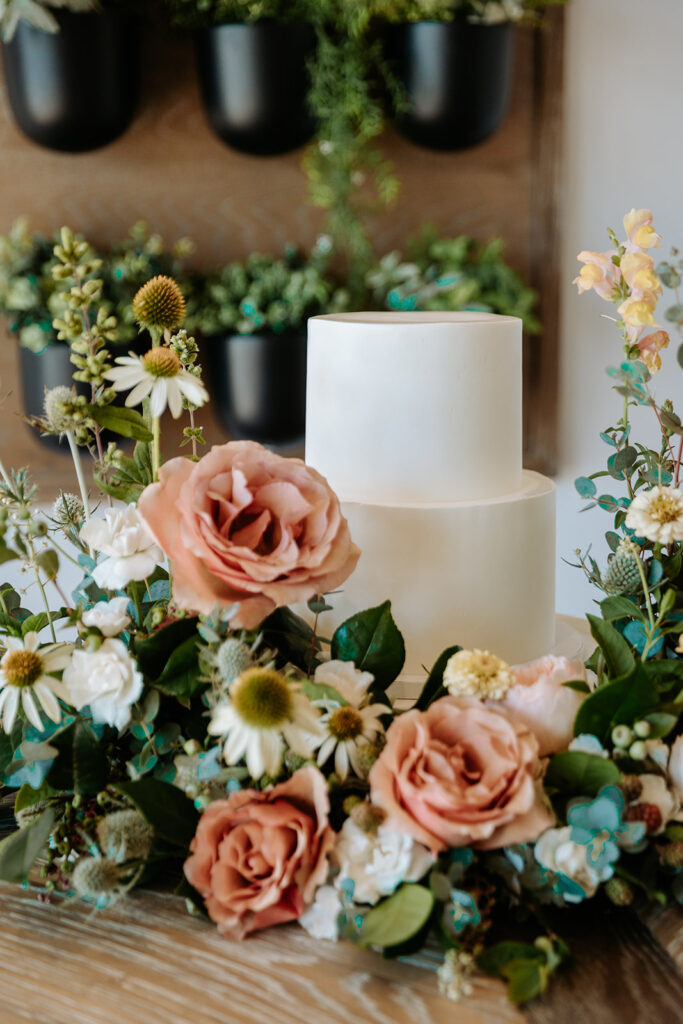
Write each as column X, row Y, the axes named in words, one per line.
column 378, row 861
column 556, row 851
column 123, row 535
column 110, row 617
column 321, row 918
column 106, row 680
column 676, row 766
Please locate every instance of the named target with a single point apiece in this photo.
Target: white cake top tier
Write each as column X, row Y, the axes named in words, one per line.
column 415, row 407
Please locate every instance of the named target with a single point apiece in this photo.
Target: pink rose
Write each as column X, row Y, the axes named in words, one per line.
column 245, row 526
column 675, row 769
column 258, row 857
column 460, row 774
column 543, row 704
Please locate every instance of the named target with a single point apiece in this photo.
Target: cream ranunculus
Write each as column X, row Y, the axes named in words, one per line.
column 106, row 680
column 110, row 617
column 657, row 515
column 378, row 860
column 131, row 550
column 556, row 851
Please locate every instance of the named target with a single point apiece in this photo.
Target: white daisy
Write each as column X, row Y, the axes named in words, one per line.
column 26, row 673
column 349, row 726
column 657, row 515
column 159, row 375
column 263, row 714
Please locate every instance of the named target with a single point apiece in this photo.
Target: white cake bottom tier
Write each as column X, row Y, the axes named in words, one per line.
column 479, row 574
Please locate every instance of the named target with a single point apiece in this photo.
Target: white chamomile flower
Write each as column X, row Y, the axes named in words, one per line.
column 263, row 714
column 657, row 515
column 349, row 726
column 26, row 674
column 159, row 375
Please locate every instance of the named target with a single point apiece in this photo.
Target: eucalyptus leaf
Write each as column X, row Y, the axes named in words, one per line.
column 585, row 487
column 398, row 918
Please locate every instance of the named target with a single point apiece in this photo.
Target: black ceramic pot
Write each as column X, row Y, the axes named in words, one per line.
column 457, row 75
column 259, row 385
column 53, row 367
column 76, row 89
column 254, row 82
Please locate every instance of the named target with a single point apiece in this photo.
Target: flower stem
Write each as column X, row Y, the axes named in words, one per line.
column 156, row 448
column 76, row 456
column 34, row 566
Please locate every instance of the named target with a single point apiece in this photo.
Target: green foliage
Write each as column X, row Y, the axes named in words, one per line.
column 452, row 274
column 206, row 13
column 269, row 294
column 487, row 11
column 172, row 816
column 433, row 687
column 621, row 702
column 616, row 652
column 575, row 773
column 373, row 642
column 19, row 851
column 395, row 920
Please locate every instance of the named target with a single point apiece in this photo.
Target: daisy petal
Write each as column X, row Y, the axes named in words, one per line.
column 30, row 710
column 158, row 398
column 10, row 709
column 139, row 392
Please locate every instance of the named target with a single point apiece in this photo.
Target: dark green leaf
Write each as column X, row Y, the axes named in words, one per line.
column 181, row 677
column 616, row 651
column 580, row 774
column 398, row 918
column 27, row 796
column 292, row 638
column 617, row 703
column 526, row 980
column 433, row 687
column 127, row 422
column 578, row 685
column 614, row 608
column 661, row 724
column 165, row 807
column 495, row 958
column 372, row 641
column 153, row 651
column 19, row 852
column 90, row 762
column 48, row 561
column 34, row 623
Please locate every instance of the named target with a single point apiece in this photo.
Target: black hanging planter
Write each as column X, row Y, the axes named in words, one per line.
column 53, row 367
column 254, row 82
column 457, row 76
column 259, row 385
column 76, row 89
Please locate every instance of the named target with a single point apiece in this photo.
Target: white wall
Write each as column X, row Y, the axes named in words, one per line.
column 623, row 149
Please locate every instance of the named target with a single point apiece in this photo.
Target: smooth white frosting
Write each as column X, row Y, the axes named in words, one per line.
column 479, row 574
column 415, row 407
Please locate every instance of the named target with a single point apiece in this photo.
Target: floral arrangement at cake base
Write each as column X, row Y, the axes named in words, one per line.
column 191, row 725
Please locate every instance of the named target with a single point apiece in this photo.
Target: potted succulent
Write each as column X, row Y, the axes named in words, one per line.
column 451, row 274
column 454, row 60
column 252, row 61
column 71, row 70
column 30, row 301
column 254, row 315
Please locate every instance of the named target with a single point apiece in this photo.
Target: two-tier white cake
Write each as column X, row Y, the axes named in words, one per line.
column 416, row 421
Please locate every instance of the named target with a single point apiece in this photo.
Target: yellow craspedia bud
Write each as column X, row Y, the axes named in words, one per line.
column 159, row 304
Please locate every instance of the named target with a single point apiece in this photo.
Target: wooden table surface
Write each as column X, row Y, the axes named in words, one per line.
column 146, row 961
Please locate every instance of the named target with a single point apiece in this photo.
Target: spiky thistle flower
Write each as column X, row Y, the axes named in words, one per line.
column 159, row 305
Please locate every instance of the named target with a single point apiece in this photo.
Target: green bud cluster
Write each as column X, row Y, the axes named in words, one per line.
column 622, row 577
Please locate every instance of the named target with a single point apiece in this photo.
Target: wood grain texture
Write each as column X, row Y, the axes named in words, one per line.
column 170, row 170
column 146, row 961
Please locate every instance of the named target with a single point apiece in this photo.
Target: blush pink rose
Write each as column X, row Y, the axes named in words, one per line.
column 247, row 527
column 543, row 703
column 460, row 774
column 258, row 857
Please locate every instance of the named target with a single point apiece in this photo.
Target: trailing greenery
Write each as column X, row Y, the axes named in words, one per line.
column 30, row 300
column 207, row 13
column 487, row 11
column 452, row 274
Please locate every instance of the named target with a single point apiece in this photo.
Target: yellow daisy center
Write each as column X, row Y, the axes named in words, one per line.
column 162, row 362
column 21, row 668
column 345, row 723
column 262, row 698
column 664, row 508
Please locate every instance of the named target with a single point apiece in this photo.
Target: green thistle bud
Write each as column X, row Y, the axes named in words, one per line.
column 62, row 409
column 95, row 876
column 619, row 892
column 232, row 659
column 68, row 510
column 622, row 576
column 125, row 835
column 159, row 304
column 672, row 854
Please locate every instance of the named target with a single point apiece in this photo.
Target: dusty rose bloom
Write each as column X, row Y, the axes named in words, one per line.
column 460, row 774
column 258, row 857
column 543, row 703
column 247, row 527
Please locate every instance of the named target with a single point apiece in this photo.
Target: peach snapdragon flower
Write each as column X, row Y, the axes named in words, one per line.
column 640, row 232
column 599, row 273
column 650, row 347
